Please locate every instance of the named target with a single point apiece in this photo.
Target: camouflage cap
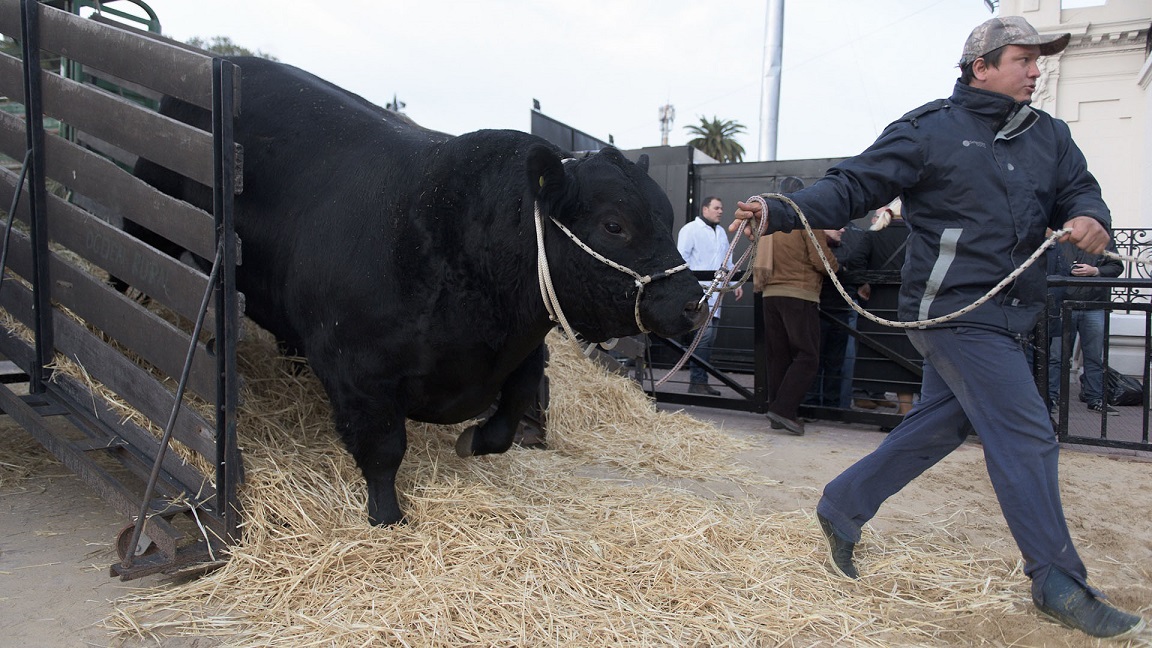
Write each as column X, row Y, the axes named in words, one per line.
column 1009, row 30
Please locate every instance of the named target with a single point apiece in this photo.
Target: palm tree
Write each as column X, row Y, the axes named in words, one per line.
column 717, row 138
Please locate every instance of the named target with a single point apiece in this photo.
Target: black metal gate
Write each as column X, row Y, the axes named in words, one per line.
column 63, row 313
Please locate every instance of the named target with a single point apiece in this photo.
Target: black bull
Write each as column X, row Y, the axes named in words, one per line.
column 402, row 262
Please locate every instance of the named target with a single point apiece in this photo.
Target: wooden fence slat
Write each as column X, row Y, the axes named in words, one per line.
column 151, row 337
column 163, row 278
column 100, row 180
column 126, row 124
column 176, row 71
column 143, row 33
column 139, row 389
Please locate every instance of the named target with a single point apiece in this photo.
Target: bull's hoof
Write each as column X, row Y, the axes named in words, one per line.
column 464, row 442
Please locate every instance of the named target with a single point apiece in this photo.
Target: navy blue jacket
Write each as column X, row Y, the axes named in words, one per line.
column 981, row 177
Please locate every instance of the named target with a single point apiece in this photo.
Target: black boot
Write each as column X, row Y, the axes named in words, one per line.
column 839, row 550
column 1071, row 604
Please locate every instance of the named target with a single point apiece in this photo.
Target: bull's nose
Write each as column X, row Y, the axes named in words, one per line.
column 696, row 313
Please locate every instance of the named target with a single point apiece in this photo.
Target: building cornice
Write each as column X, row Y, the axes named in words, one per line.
column 1117, row 36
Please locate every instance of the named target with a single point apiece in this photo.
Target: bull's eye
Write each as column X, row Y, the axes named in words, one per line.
column 613, row 227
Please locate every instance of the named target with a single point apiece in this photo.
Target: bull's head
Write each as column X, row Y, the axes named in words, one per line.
column 613, row 207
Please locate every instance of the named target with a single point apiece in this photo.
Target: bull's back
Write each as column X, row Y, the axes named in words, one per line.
column 322, row 168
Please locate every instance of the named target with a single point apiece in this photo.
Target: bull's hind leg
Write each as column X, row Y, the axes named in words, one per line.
column 374, row 435
column 517, row 395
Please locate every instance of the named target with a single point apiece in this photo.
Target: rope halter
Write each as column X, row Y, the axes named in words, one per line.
column 544, row 275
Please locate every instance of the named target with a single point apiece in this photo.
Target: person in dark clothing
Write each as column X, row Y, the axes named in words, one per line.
column 836, row 320
column 1087, row 324
column 982, row 175
column 884, row 358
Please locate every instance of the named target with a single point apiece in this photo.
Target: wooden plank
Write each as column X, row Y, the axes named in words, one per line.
column 163, row 278
column 154, row 339
column 103, row 181
column 92, row 75
column 126, row 159
column 143, row 33
column 135, row 386
column 176, row 71
column 126, row 124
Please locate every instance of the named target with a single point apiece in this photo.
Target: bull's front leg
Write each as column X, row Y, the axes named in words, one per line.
column 517, row 395
column 374, row 434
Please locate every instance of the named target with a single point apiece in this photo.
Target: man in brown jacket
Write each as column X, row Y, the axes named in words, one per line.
column 791, row 293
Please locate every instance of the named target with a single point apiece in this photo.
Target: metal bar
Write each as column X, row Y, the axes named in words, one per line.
column 1147, row 369
column 179, row 399
column 34, row 118
column 12, row 214
column 1104, row 404
column 229, row 464
column 1065, row 363
column 713, row 371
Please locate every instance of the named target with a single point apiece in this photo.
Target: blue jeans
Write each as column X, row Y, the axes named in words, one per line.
column 974, row 379
column 1089, row 325
column 696, row 373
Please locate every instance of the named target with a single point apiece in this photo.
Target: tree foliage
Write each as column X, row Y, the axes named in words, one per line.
column 717, row 138
column 225, row 46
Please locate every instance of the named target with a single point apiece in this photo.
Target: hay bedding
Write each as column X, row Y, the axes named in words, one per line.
column 584, row 544
column 589, row 543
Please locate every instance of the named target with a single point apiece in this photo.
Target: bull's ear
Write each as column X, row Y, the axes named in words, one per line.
column 545, row 170
column 642, row 162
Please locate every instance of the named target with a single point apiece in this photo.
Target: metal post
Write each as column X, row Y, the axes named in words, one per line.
column 770, row 83
column 37, row 206
column 228, row 462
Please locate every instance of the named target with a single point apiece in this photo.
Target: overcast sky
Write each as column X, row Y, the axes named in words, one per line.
column 606, row 66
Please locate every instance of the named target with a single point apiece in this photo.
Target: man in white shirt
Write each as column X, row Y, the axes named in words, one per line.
column 703, row 243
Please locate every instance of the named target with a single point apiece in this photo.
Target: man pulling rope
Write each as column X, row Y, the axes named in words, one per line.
column 983, row 176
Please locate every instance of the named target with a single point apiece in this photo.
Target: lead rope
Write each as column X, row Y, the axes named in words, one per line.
column 1049, row 242
column 721, row 283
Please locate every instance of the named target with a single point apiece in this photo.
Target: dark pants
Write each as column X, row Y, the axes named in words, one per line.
column 696, row 373
column 792, row 338
column 973, row 379
column 825, row 390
